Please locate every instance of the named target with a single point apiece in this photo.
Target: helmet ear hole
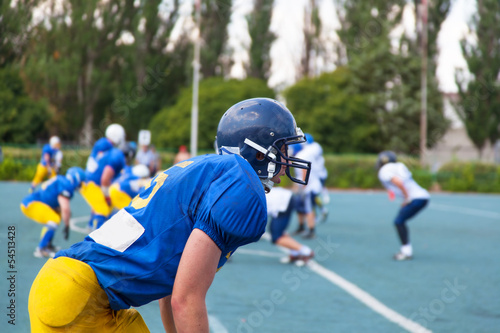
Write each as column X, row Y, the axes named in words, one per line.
column 259, row 156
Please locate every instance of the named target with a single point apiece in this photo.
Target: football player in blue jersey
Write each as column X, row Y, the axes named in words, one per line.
column 103, row 165
column 127, row 186
column 50, row 204
column 49, row 162
column 170, row 241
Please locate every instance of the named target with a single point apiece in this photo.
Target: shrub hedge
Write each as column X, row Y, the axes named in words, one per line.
column 345, row 171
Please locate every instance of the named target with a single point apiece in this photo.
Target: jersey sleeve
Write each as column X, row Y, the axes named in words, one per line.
column 235, row 213
column 65, row 188
column 387, row 172
column 391, row 170
column 117, row 160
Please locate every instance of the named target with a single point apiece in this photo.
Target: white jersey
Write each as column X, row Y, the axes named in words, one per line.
column 399, row 170
column 313, row 152
column 278, row 200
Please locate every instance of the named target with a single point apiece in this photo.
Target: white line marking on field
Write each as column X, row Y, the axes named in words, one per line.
column 73, row 224
column 260, row 253
column 215, row 325
column 367, row 299
column 362, row 296
column 464, row 210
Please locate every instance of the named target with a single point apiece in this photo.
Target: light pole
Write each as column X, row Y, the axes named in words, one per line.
column 196, row 78
column 423, row 82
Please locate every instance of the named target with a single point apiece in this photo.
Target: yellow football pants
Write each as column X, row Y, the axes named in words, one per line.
column 66, row 297
column 40, row 212
column 119, row 199
column 41, row 173
column 92, row 193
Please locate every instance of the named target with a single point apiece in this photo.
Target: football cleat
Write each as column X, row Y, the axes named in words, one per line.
column 43, row 253
column 400, row 257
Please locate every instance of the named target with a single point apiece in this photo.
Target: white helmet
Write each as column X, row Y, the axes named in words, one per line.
column 54, row 141
column 116, row 134
column 140, row 170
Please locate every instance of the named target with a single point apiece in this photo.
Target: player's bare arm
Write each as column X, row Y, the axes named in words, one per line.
column 167, row 317
column 65, row 213
column 196, row 272
column 107, row 176
column 399, row 183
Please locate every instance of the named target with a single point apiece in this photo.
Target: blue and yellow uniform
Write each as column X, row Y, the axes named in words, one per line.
column 124, row 188
column 42, row 206
column 133, row 258
column 45, row 167
column 102, row 155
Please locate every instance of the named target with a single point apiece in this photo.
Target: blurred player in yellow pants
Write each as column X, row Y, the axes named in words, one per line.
column 49, row 163
column 104, row 163
column 43, row 206
column 128, row 185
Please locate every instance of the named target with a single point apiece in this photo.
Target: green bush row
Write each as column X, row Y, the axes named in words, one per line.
column 344, row 171
column 20, row 163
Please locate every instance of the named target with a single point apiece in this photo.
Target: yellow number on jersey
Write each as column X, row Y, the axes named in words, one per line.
column 46, row 183
column 139, row 202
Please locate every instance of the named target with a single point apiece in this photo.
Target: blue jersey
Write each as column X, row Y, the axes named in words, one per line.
column 50, row 190
column 95, row 165
column 135, row 254
column 47, row 149
column 128, row 182
column 125, row 174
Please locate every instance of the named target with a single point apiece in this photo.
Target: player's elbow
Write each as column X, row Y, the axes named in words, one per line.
column 183, row 304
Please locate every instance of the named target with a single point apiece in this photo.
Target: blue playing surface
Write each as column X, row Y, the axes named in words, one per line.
column 451, row 285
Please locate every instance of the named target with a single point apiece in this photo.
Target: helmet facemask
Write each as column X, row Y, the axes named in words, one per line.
column 276, row 158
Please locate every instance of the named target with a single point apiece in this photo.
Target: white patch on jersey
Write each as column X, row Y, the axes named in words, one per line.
column 119, row 232
column 225, row 150
column 91, row 165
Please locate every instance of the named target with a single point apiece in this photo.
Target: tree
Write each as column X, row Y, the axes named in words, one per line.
column 390, row 75
column 215, row 18
column 22, row 119
column 258, row 25
column 72, row 59
column 14, row 29
column 171, row 126
column 479, row 105
column 331, row 110
column 150, row 78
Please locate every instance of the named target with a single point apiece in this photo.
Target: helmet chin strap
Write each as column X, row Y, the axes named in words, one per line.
column 268, row 184
column 271, row 166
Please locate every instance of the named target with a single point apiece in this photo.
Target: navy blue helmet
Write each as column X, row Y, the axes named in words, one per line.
column 385, row 157
column 262, row 125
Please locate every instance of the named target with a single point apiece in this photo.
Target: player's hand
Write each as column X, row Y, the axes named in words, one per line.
column 66, row 232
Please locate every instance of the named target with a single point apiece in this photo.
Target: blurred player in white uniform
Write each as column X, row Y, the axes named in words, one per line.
column 280, row 206
column 307, row 194
column 396, row 178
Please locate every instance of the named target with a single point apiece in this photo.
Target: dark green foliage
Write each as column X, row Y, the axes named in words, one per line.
column 479, row 105
column 390, row 79
column 469, row 177
column 22, row 119
column 171, row 127
column 11, row 169
column 338, row 117
column 258, row 26
column 215, row 17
